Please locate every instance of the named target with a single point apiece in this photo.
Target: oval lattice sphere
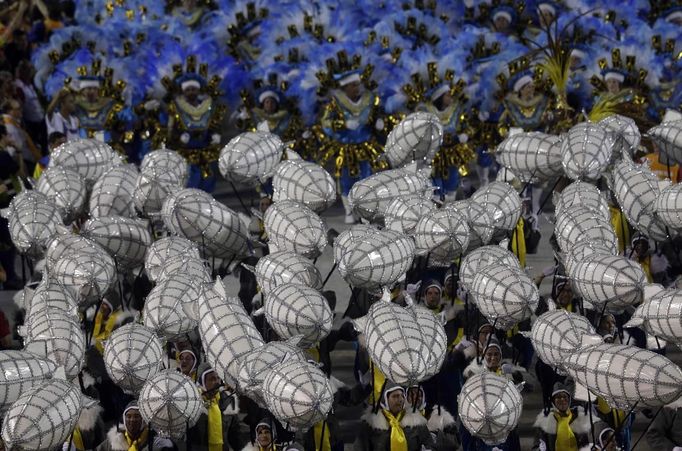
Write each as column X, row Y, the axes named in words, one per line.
column 19, row 372
column 578, row 224
column 660, row 314
column 125, row 239
column 49, row 294
column 404, row 212
column 502, row 202
column 166, row 161
column 85, row 275
column 433, row 333
column 444, row 234
column 668, row 136
column 250, row 156
column 291, row 226
column 286, row 267
column 113, row 193
column 584, row 195
column 586, row 151
column 347, row 237
column 625, row 132
column 533, row 156
column 304, row 182
column 65, row 188
column 160, row 251
column 62, row 337
column 668, row 206
column 480, row 221
column 33, row 221
column 416, row 138
column 171, row 308
column 483, row 257
column 88, row 157
column 152, row 188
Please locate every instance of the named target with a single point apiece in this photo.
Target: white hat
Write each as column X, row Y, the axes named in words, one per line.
column 612, row 75
column 675, row 15
column 350, row 78
column 504, row 14
column 88, row 83
column 190, row 83
column 578, row 53
column 265, row 94
column 439, row 92
column 547, row 8
column 521, row 82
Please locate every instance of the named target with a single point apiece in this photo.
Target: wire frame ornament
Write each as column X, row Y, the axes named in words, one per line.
column 483, row 257
column 660, row 314
column 370, row 197
column 113, row 193
column 291, row 226
column 168, row 162
column 625, row 132
column 66, row 189
column 64, row 243
column 668, row 206
column 609, row 279
column 62, row 337
column 160, row 251
column 585, row 195
column 33, row 220
column 49, row 294
column 376, row 259
column 637, row 188
column 502, row 202
column 132, row 355
column 286, row 267
column 125, row 239
column 586, row 151
column 187, row 265
column 43, row 417
column 197, row 216
column 19, row 372
column 533, row 156
column 304, row 182
column 170, row 402
column 416, row 138
column 88, row 157
column 585, row 249
column 171, row 308
column 668, row 137
column 257, row 364
column 625, row 375
column 227, row 332
column 489, row 407
column 577, row 224
column 85, row 275
column 505, row 295
column 344, row 240
column 404, row 212
column 250, row 157
column 299, row 311
column 152, row 188
column 434, row 334
column 298, row 394
column 481, row 223
column 444, row 233
column 558, row 333
column 396, row 343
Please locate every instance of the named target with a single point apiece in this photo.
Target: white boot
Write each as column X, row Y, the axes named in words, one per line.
column 350, row 219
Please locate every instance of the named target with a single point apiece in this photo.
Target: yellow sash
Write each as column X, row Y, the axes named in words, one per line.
column 317, row 433
column 378, row 383
column 102, row 334
column 398, row 439
column 141, row 440
column 620, row 226
column 565, row 439
column 646, row 267
column 518, row 243
column 77, row 439
column 215, row 424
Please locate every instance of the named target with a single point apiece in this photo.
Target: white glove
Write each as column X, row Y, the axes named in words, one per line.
column 542, row 446
column 306, row 134
column 463, row 138
column 507, row 368
column 215, row 138
column 379, row 125
column 352, row 124
column 677, row 448
column 463, row 344
column 497, row 449
column 184, row 138
column 243, row 115
column 549, row 270
column 412, row 288
column 483, row 116
column 461, row 291
column 470, row 352
column 152, row 105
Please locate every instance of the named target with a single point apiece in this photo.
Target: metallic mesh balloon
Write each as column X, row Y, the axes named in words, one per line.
column 286, row 267
column 125, row 239
column 345, row 239
column 404, row 212
column 296, row 310
column 586, row 151
column 480, row 221
column 482, row 257
column 19, row 372
column 152, row 187
column 62, row 337
column 377, row 259
column 168, row 162
column 434, row 334
column 33, row 220
column 113, row 193
column 160, row 251
column 585, row 195
column 637, row 188
column 86, row 276
column 370, row 197
column 625, row 375
column 504, row 295
column 187, row 265
column 170, row 402
column 416, row 138
column 65, row 188
column 558, row 333
column 88, row 157
column 444, row 233
column 502, row 202
column 65, row 243
column 584, row 249
column 668, row 206
column 43, row 417
column 625, row 131
column 304, row 182
column 668, row 137
column 660, row 314
column 533, row 156
column 171, row 308
column 489, row 407
column 132, row 355
column 291, row 226
column 607, row 279
column 396, row 343
column 227, row 332
column 49, row 294
column 578, row 224
column 298, row 394
column 250, row 156
column 256, row 365
column 197, row 216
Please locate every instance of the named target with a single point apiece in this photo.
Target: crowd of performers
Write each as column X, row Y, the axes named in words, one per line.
column 332, row 79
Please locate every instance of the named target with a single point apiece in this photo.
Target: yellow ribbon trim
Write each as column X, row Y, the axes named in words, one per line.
column 518, row 243
column 141, row 440
column 215, row 424
column 565, row 438
column 103, row 334
column 398, row 439
column 317, row 433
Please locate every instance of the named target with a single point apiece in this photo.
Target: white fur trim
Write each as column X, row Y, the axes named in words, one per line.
column 229, row 410
column 116, row 440
column 473, row 368
column 88, row 380
column 504, row 14
column 265, row 94
column 580, row 425
column 547, row 8
column 614, row 76
column 124, row 316
column 436, row 94
column 349, row 79
column 413, row 419
column 675, row 15
column 250, row 447
column 376, row 421
column 88, row 418
column 439, row 422
column 578, row 53
column 190, row 84
column 521, row 82
column 83, row 84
